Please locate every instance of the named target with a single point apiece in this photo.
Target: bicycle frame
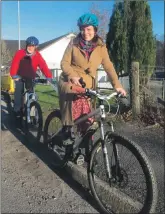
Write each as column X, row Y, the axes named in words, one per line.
column 101, row 112
column 29, row 97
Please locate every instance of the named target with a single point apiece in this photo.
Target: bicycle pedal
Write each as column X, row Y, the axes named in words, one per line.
column 79, row 160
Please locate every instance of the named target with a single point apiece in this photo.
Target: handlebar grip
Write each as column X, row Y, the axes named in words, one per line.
column 81, row 81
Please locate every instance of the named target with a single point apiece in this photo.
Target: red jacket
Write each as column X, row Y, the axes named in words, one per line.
column 26, row 66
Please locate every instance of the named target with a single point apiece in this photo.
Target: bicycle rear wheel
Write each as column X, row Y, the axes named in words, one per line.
column 33, row 128
column 53, row 140
column 133, row 187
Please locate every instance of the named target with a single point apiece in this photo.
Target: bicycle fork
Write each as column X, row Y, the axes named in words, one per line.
column 106, row 159
column 28, row 107
column 105, row 152
column 28, row 103
column 104, row 148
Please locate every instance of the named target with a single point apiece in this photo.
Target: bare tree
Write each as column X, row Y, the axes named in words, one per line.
column 5, row 54
column 103, row 16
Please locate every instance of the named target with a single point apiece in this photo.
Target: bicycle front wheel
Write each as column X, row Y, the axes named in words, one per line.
column 9, row 104
column 33, row 124
column 132, row 187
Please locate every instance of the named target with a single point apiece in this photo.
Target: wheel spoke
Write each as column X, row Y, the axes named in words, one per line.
column 130, row 179
column 52, row 136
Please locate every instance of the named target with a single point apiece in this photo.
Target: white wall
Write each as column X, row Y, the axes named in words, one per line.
column 53, row 54
column 103, row 81
column 125, row 82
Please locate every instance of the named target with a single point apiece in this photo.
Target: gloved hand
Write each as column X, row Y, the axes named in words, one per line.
column 16, row 77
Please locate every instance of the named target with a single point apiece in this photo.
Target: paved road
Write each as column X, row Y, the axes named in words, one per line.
column 152, row 140
column 30, row 184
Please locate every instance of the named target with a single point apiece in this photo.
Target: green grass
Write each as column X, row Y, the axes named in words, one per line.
column 47, row 98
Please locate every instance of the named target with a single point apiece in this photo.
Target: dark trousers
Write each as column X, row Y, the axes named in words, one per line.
column 19, row 88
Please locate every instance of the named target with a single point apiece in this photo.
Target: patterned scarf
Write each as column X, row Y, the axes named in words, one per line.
column 87, row 46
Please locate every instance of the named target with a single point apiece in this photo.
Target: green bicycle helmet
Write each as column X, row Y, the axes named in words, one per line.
column 88, row 19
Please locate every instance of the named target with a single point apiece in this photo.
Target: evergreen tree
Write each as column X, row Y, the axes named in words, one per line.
column 116, row 38
column 130, row 37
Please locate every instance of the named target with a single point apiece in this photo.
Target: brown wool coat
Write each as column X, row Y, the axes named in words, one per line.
column 75, row 64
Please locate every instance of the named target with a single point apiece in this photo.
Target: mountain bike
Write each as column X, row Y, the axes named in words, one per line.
column 31, row 114
column 115, row 163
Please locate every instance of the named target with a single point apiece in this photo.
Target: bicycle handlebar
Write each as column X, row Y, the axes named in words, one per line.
column 86, row 91
column 102, row 97
column 94, row 93
column 25, row 79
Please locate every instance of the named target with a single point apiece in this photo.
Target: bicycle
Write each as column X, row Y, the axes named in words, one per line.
column 111, row 151
column 31, row 113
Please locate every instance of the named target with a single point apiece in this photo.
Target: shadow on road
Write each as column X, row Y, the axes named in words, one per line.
column 8, row 124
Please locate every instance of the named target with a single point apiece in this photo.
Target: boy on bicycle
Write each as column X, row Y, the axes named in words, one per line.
column 24, row 65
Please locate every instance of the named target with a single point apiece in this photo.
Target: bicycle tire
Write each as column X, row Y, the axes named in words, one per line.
column 48, row 141
column 8, row 101
column 151, row 198
column 40, row 123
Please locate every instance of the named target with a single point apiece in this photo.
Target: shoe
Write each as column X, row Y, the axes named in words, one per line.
column 67, row 136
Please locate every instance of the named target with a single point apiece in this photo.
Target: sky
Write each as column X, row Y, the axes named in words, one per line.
column 49, row 19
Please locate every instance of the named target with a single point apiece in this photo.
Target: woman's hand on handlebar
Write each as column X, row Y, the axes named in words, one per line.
column 75, row 81
column 121, row 91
